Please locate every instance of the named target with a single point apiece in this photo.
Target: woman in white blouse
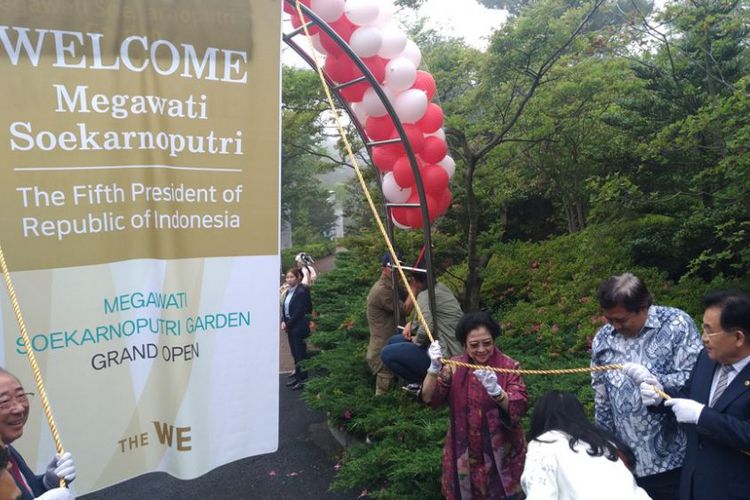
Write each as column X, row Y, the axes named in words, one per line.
column 569, row 457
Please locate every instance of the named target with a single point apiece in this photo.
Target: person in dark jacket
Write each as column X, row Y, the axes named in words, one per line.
column 14, row 411
column 714, row 405
column 296, row 306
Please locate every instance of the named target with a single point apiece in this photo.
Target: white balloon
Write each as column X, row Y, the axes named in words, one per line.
column 372, row 104
column 316, row 43
column 439, row 133
column 410, row 105
column 448, row 165
column 359, row 113
column 412, row 52
column 386, row 14
column 392, row 191
column 362, row 12
column 394, row 41
column 328, row 10
column 400, row 74
column 366, row 41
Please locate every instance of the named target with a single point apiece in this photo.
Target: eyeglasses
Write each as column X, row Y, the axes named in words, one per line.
column 7, row 403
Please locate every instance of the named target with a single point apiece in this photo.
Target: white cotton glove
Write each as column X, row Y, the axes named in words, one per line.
column 436, row 354
column 60, row 467
column 687, row 411
column 638, row 373
column 648, row 395
column 57, row 494
column 488, row 378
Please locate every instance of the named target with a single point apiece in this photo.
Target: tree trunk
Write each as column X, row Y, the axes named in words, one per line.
column 473, row 283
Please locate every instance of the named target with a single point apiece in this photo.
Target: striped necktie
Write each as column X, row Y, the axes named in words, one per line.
column 722, row 384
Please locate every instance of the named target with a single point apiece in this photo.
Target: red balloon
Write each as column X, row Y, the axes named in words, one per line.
column 385, row 156
column 413, row 135
column 402, row 172
column 414, row 215
column 433, row 207
column 378, row 128
column 399, row 214
column 434, row 149
column 444, row 201
column 426, row 83
column 434, row 179
column 432, row 119
column 344, row 28
column 340, row 69
column 354, row 93
column 376, row 65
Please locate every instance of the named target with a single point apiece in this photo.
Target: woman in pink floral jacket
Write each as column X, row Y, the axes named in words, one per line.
column 485, row 447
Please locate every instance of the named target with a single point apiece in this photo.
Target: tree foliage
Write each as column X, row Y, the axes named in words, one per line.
column 304, row 202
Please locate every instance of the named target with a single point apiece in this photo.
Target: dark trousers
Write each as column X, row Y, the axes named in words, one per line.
column 299, row 353
column 662, row 486
column 406, row 359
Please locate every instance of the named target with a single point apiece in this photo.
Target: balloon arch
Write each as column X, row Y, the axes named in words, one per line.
column 372, row 68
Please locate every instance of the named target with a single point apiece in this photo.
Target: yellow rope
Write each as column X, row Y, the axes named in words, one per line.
column 32, row 359
column 517, row 371
column 360, row 177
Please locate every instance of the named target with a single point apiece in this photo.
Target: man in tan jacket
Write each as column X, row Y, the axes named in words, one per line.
column 382, row 323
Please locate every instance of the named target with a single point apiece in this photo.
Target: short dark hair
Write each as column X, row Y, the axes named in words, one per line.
column 473, row 320
column 627, row 290
column 735, row 309
column 561, row 411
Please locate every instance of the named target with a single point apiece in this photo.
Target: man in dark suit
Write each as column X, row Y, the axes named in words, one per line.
column 14, row 411
column 714, row 406
column 296, row 307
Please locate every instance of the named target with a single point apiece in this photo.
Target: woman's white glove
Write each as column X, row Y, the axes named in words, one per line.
column 488, row 378
column 61, row 467
column 436, row 354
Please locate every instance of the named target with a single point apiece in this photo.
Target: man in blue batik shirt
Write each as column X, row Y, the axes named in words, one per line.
column 658, row 345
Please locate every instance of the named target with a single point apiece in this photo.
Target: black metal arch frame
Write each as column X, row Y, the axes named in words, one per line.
column 368, row 77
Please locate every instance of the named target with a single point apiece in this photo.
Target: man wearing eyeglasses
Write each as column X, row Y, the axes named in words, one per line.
column 714, row 406
column 656, row 344
column 14, row 411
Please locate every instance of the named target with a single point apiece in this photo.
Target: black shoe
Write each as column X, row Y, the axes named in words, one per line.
column 292, row 382
column 297, row 386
